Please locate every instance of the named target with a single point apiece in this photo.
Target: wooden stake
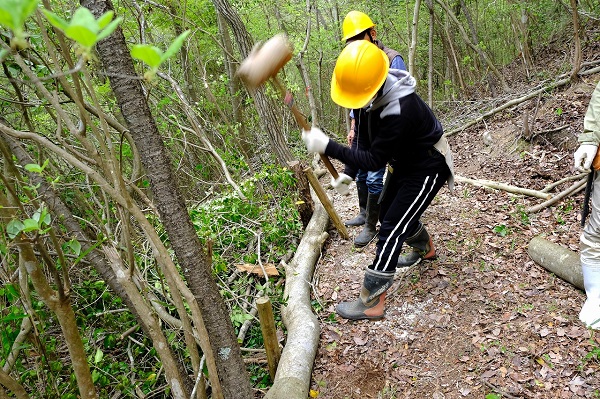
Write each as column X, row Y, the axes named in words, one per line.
column 335, row 218
column 267, row 326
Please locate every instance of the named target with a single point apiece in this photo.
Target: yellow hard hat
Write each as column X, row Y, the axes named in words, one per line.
column 360, row 70
column 354, row 23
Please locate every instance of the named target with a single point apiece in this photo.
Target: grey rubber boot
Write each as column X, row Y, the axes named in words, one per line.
column 371, row 303
column 422, row 248
column 370, row 230
column 363, row 193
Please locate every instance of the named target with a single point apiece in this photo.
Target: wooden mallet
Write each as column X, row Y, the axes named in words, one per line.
column 263, row 63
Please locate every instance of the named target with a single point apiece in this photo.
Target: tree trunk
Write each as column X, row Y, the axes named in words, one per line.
column 61, row 306
column 520, row 23
column 414, row 36
column 430, row 54
column 234, row 88
column 12, row 385
column 452, row 57
column 264, row 106
column 577, row 42
column 304, row 72
column 474, row 46
column 192, row 257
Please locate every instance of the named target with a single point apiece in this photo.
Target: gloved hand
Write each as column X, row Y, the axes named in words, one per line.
column 342, row 183
column 315, row 140
column 584, row 156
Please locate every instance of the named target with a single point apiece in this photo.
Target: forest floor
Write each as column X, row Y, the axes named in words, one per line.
column 483, row 318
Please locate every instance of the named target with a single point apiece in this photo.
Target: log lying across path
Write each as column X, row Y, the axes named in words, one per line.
column 557, row 259
column 292, row 380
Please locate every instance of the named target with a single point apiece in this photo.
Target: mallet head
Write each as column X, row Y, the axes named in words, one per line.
column 265, row 60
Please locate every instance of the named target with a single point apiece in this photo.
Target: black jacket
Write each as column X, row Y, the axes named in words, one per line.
column 398, row 128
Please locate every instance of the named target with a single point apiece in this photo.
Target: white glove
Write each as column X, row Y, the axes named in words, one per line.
column 342, row 183
column 584, row 156
column 315, row 140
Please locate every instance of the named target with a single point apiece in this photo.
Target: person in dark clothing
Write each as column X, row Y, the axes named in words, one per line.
column 400, row 130
column 358, row 26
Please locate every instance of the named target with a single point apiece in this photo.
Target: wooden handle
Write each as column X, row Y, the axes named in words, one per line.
column 329, row 166
column 301, row 120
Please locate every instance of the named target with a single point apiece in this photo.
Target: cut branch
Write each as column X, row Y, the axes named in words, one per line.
column 504, row 187
column 575, row 188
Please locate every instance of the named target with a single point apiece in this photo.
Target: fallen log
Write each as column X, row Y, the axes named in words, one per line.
column 292, row 379
column 557, row 259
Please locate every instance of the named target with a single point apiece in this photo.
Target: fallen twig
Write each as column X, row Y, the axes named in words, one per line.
column 561, row 181
column 498, row 390
column 575, row 187
column 504, row 187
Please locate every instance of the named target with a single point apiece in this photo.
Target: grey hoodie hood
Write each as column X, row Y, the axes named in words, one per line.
column 398, row 84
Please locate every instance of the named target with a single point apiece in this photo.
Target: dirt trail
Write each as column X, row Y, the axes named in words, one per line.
column 483, row 317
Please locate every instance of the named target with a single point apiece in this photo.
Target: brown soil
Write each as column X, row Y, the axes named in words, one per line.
column 482, row 318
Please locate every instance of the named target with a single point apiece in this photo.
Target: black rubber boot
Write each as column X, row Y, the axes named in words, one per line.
column 371, row 303
column 422, row 248
column 363, row 193
column 370, row 230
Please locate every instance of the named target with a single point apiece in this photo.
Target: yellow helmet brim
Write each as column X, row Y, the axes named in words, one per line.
column 360, row 70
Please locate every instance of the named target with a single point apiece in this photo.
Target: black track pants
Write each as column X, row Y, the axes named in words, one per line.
column 405, row 199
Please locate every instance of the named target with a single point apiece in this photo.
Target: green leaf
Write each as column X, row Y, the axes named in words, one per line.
column 151, row 55
column 75, row 246
column 84, row 17
column 14, row 228
column 98, row 357
column 34, row 168
column 42, row 217
column 30, row 225
column 95, row 376
column 83, row 27
column 109, row 29
column 13, row 316
column 55, row 20
column 11, row 292
column 175, row 46
column 13, row 13
column 105, row 19
column 81, row 35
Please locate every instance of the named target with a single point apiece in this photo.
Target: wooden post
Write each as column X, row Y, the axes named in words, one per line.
column 267, row 326
column 335, row 218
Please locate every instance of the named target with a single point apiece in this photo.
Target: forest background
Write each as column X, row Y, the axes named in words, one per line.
column 139, row 176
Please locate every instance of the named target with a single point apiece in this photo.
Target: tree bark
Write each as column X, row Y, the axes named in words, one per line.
column 414, row 35
column 17, row 389
column 430, row 54
column 556, row 259
column 61, row 306
column 192, row 257
column 577, row 42
column 292, row 380
column 234, row 87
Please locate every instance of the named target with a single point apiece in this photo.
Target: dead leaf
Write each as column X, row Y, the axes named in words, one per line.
column 270, row 269
column 488, row 374
column 360, row 341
